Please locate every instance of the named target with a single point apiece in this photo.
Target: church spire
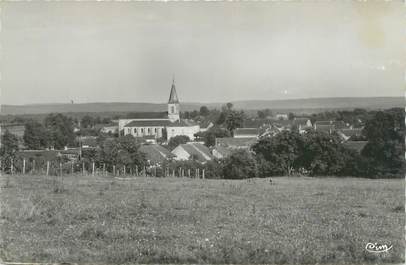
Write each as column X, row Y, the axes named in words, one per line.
column 173, row 97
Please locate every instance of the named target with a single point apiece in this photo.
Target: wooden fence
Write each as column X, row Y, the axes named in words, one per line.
column 26, row 166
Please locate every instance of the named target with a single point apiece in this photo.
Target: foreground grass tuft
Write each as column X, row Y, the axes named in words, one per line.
column 148, row 220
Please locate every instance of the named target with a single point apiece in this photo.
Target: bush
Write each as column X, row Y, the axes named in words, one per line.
column 177, row 140
column 240, row 165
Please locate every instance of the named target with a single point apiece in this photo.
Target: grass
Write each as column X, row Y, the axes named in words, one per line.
column 150, row 220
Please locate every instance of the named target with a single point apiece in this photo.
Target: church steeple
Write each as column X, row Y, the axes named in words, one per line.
column 173, row 97
column 173, row 104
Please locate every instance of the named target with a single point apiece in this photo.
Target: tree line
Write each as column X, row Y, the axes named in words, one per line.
column 322, row 154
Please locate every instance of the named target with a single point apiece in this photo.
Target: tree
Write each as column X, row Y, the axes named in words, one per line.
column 240, row 165
column 87, row 122
column 9, row 144
column 8, row 149
column 60, row 130
column 177, row 140
column 204, row 111
column 209, row 136
column 123, row 151
column 385, row 148
column 234, row 120
column 282, row 153
column 35, row 135
column 291, row 116
column 324, row 154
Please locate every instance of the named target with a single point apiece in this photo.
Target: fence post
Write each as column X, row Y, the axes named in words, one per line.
column 114, row 170
column 104, row 169
column 188, row 172
column 83, row 168
column 198, row 173
column 60, row 169
column 23, row 166
column 47, row 168
column 203, row 174
column 124, row 170
column 33, row 167
column 71, row 167
column 12, row 166
column 136, row 171
column 93, row 169
column 179, row 172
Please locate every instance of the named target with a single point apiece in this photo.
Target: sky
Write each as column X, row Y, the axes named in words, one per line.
column 55, row 52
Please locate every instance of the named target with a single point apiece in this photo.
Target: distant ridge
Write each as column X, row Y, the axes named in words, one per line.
column 288, row 104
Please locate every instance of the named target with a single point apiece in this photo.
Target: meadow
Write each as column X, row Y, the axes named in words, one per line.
column 97, row 219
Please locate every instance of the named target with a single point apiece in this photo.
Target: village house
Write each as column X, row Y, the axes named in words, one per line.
column 192, row 151
column 346, row 134
column 235, row 143
column 302, row 124
column 166, row 124
column 156, row 154
column 246, row 133
column 282, row 116
column 221, row 152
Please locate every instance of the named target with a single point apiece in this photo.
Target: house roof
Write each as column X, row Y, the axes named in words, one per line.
column 317, row 123
column 173, row 97
column 340, row 124
column 235, row 142
column 155, row 153
column 200, row 151
column 283, row 123
column 87, row 140
column 355, row 145
column 300, row 121
column 256, row 123
column 351, row 132
column 325, row 128
column 17, row 130
column 246, row 131
column 223, row 151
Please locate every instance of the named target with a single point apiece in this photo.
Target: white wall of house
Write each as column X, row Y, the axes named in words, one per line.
column 124, row 122
column 188, row 131
column 144, row 131
column 180, row 153
column 246, row 136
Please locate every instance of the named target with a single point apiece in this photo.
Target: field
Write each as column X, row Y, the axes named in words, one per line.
column 174, row 220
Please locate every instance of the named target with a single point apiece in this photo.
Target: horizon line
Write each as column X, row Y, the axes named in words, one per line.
column 196, row 102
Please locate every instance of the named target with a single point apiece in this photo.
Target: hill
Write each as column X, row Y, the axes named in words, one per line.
column 302, row 105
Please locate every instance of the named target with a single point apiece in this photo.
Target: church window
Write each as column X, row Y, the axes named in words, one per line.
column 135, row 130
column 149, row 130
column 172, row 109
column 128, row 130
column 142, row 130
column 156, row 130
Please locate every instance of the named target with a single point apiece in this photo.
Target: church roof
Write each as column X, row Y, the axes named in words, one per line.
column 148, row 123
column 160, row 123
column 182, row 123
column 147, row 115
column 173, row 97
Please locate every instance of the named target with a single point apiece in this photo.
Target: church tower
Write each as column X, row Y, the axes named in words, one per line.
column 173, row 104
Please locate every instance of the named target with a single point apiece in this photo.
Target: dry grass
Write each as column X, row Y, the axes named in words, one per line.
column 148, row 220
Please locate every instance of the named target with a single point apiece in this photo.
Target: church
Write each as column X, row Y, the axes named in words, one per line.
column 152, row 128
